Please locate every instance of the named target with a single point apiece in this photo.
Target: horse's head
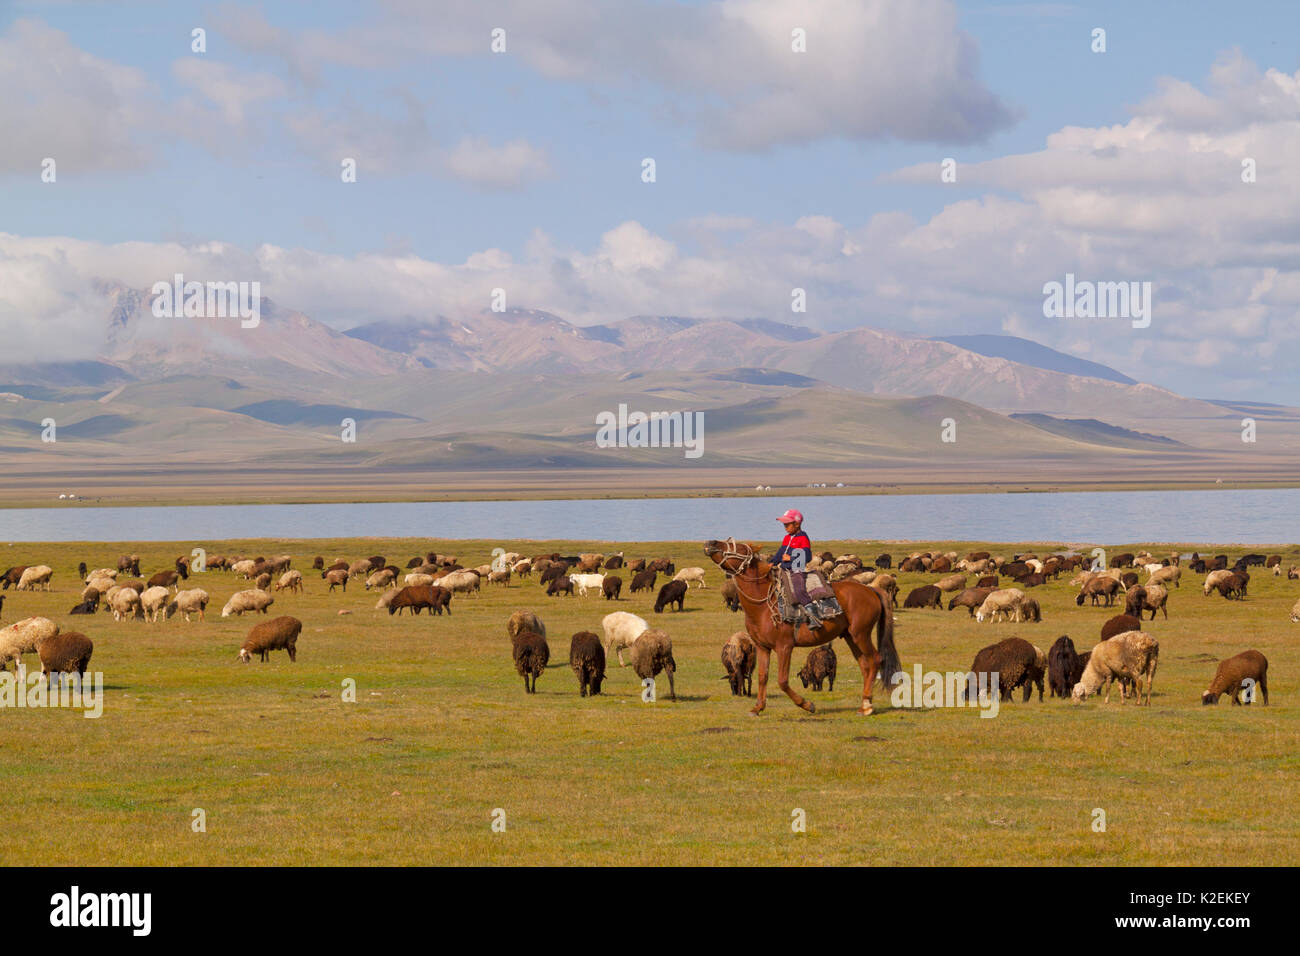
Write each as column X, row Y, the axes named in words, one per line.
column 731, row 556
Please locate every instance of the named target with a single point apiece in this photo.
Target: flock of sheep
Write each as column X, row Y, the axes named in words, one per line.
column 1124, row 653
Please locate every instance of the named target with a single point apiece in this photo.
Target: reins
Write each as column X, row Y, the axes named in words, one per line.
column 746, row 559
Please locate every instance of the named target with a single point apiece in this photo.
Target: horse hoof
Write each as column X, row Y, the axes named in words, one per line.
column 755, row 712
column 810, row 707
column 867, row 710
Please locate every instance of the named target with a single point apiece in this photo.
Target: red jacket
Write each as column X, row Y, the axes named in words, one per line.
column 792, row 543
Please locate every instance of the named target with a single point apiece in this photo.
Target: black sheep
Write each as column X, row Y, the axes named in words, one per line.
column 531, row 654
column 1062, row 665
column 674, row 592
column 644, row 581
column 560, row 585
column 587, row 658
column 1014, row 661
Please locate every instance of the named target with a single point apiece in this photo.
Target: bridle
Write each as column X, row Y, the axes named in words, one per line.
column 745, row 559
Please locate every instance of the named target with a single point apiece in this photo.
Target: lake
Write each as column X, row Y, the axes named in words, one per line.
column 1252, row 517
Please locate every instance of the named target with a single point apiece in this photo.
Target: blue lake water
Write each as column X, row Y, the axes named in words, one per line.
column 1264, row 516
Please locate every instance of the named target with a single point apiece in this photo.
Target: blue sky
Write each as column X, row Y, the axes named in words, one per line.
column 536, row 153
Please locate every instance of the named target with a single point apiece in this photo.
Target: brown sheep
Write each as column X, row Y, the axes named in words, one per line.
column 611, row 587
column 531, row 654
column 68, row 652
column 651, row 653
column 1015, row 662
column 337, row 578
column 927, row 595
column 643, row 581
column 738, row 657
column 417, row 597
column 279, row 633
column 1098, row 587
column 819, row 667
column 587, row 658
column 970, row 599
column 1245, row 671
column 1118, row 625
column 560, row 585
column 988, row 581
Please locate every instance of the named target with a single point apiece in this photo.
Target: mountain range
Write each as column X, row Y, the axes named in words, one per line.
column 520, row 390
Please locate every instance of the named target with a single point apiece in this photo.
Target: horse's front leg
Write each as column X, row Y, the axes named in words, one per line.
column 783, row 652
column 763, row 655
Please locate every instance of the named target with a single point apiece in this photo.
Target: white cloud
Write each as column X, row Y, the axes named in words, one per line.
column 508, row 166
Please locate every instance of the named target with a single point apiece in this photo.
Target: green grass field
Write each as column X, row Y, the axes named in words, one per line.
column 442, row 734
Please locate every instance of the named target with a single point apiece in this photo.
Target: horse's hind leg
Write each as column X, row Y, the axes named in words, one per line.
column 783, row 652
column 865, row 654
column 764, row 655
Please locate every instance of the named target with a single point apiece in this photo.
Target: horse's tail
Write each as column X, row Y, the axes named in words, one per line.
column 889, row 663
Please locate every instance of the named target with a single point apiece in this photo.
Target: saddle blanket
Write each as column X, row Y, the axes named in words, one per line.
column 822, row 603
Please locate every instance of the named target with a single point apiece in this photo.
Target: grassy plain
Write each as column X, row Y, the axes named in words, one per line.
column 442, row 734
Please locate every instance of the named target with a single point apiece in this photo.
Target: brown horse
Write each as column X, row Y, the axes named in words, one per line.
column 864, row 608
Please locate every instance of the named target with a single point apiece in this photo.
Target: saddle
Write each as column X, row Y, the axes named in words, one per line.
column 820, row 606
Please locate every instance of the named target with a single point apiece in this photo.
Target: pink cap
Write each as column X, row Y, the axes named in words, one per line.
column 791, row 515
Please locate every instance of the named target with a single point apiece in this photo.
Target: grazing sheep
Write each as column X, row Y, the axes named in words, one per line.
column 499, row 577
column 381, row 579
column 622, row 630
column 1099, row 587
column 263, row 581
column 643, row 581
column 738, row 657
column 1295, row 613
column 521, row 621
column 1153, row 598
column 193, row 601
column 1062, row 664
column 290, row 581
column 1214, row 577
column 584, row 581
column 530, row 653
column 662, row 565
column 558, row 586
column 819, row 667
column 154, row 601
column 866, row 577
column 244, row 601
column 1005, row 602
column 522, row 569
column 245, row 568
column 39, row 574
column 690, row 575
column 587, row 658
column 883, row 561
column 636, row 564
column 1245, row 671
column 1029, row 611
column 730, row 595
column 651, row 653
column 85, row 607
column 12, row 576
column 21, row 637
column 1119, row 624
column 1233, row 585
column 614, row 562
column 988, row 581
column 460, row 582
column 131, row 563
column 166, row 579
column 386, row 599
column 674, row 592
column 67, row 652
column 338, row 579
column 887, row 583
column 971, row 599
column 1016, row 663
column 611, row 587
column 418, row 597
column 364, row 566
column 1132, row 655
column 951, row 583
column 125, row 603
column 419, row 579
column 927, row 595
column 277, row 634
column 1165, row 575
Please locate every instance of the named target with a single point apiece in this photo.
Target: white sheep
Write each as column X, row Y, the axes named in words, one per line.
column 1004, row 601
column 1166, row 574
column 291, row 581
column 109, row 573
column 193, row 601
column 153, row 601
column 417, row 579
column 581, row 582
column 621, row 630
column 1131, row 655
column 386, row 599
column 20, row 638
column 124, row 603
column 691, row 574
column 381, row 579
column 244, row 568
column 460, row 581
column 1295, row 613
column 40, row 574
column 243, row 601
